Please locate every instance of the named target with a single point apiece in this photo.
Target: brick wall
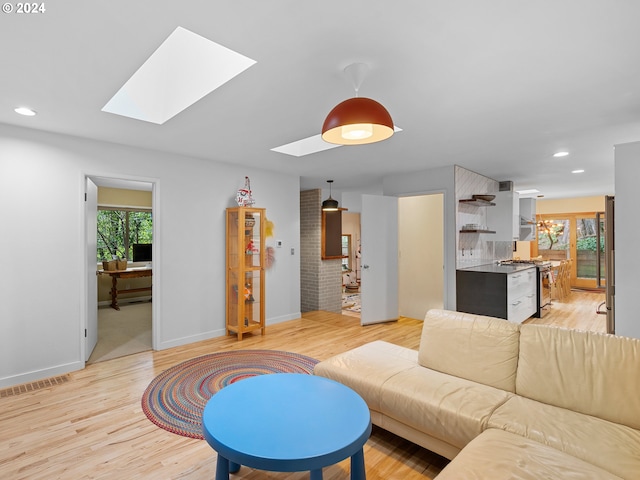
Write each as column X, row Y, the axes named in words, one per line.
column 320, row 280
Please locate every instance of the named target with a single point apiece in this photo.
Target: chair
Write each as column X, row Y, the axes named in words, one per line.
column 555, row 281
column 566, row 278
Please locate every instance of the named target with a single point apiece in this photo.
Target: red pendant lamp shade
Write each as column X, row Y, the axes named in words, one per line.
column 357, row 121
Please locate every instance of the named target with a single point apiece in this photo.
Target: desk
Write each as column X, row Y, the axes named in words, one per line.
column 287, row 422
column 128, row 273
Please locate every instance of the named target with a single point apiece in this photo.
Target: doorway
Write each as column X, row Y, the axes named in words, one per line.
column 128, row 326
column 351, row 264
column 420, row 256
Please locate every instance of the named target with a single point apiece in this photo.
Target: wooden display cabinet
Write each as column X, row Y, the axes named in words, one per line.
column 245, row 270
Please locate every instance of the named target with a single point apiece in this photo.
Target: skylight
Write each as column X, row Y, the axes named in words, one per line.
column 310, row 145
column 184, row 68
column 306, row 146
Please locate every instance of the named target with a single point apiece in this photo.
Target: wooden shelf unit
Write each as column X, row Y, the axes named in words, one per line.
column 245, row 286
column 476, row 202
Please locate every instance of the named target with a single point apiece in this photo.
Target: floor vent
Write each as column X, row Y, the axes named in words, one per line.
column 33, row 386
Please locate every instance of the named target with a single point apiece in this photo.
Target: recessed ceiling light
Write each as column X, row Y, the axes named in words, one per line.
column 27, row 112
column 577, row 171
column 560, row 154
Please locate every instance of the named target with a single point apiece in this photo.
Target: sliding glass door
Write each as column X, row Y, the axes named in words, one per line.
column 573, row 237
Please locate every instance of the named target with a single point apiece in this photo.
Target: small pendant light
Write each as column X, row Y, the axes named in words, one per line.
column 330, row 205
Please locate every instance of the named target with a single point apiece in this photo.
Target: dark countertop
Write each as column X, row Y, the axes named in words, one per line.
column 493, row 268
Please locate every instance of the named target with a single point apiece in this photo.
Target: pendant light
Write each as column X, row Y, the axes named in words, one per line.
column 330, row 204
column 358, row 120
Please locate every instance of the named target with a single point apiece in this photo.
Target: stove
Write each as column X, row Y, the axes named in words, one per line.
column 537, row 263
column 543, row 286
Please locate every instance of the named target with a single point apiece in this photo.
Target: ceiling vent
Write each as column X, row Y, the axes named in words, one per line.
column 506, row 186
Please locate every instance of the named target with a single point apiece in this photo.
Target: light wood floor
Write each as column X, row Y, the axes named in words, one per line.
column 93, row 427
column 577, row 311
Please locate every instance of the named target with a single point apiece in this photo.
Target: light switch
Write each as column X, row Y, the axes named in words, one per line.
column 293, row 251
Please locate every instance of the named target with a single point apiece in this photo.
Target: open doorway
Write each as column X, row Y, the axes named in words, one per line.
column 119, row 307
column 421, row 254
column 420, row 257
column 351, row 264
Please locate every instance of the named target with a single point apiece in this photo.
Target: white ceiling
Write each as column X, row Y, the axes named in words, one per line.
column 495, row 86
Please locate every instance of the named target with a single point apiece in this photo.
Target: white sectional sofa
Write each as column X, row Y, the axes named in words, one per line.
column 504, row 400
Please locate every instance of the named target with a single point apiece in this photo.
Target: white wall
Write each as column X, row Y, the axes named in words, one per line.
column 41, row 193
column 421, row 261
column 627, row 236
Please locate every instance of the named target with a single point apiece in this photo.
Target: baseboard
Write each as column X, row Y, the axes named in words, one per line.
column 40, row 374
column 178, row 342
column 283, row 318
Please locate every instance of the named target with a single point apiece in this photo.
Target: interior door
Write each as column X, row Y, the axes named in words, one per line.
column 379, row 250
column 91, row 220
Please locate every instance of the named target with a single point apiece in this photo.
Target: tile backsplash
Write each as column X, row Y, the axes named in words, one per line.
column 476, row 248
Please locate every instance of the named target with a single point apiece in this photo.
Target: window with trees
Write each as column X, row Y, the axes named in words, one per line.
column 120, row 229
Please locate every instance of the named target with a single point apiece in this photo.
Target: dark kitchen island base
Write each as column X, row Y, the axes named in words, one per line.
column 481, row 293
column 501, row 291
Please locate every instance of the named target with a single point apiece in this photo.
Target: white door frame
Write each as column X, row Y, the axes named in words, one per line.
column 90, row 231
column 130, row 182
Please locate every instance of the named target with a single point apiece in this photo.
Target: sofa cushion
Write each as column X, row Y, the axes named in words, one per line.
column 478, row 348
column 500, row 455
column 611, row 446
column 366, row 368
column 449, row 408
column 588, row 372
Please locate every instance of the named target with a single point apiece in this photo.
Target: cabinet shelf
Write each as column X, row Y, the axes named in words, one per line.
column 477, row 231
column 476, row 202
column 245, row 270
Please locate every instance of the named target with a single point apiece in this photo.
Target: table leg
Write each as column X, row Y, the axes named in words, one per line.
column 357, row 466
column 114, row 292
column 233, row 467
column 222, row 468
column 316, row 474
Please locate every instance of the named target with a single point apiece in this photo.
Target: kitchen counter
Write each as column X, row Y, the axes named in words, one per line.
column 502, row 291
column 493, row 268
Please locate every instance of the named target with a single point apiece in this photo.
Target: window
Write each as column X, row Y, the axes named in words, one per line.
column 120, row 229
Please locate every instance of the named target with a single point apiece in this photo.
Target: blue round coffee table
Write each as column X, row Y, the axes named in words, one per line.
column 287, row 422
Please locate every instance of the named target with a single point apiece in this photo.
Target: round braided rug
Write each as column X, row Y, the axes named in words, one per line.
column 175, row 399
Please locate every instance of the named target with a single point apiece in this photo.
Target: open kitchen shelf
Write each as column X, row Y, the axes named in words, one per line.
column 476, row 202
column 477, row 231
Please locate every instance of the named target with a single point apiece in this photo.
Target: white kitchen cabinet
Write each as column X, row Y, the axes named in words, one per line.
column 521, row 295
column 527, row 219
column 504, row 218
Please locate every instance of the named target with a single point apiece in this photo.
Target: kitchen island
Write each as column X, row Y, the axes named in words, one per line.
column 502, row 291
